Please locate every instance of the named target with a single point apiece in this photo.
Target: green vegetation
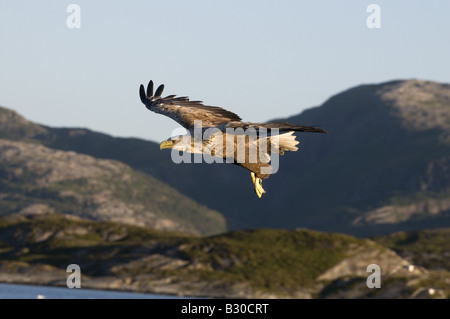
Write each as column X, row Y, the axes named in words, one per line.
column 278, row 263
column 59, row 240
column 437, row 280
column 427, row 248
column 272, row 260
column 269, row 259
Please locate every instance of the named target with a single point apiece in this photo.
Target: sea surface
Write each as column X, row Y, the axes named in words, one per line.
column 16, row 291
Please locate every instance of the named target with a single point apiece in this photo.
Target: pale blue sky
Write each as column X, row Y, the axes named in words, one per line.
column 260, row 59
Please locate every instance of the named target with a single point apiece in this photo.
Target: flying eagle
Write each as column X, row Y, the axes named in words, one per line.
column 228, row 136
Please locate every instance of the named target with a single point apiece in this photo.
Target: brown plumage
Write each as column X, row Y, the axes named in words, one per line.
column 245, row 137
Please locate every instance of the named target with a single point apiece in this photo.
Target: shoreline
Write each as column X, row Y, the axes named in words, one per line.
column 49, row 276
column 85, row 290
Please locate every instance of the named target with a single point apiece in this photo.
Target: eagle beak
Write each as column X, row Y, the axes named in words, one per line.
column 166, row 144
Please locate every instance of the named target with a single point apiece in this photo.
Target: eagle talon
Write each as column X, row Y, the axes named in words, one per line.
column 258, row 185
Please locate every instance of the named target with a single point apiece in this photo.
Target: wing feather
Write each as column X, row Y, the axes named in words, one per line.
column 159, row 91
column 281, row 126
column 182, row 110
column 150, row 89
column 186, row 112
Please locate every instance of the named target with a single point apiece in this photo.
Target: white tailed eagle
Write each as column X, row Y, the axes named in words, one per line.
column 245, row 144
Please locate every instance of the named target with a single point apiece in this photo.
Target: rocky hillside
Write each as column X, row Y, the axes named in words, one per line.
column 383, row 167
column 35, row 179
column 262, row 263
column 428, row 248
column 15, row 126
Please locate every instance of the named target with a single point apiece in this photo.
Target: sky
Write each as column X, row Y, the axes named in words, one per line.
column 259, row 59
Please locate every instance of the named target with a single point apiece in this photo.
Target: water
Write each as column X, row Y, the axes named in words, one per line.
column 13, row 291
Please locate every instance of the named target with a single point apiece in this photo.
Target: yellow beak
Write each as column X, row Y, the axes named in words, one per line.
column 166, row 144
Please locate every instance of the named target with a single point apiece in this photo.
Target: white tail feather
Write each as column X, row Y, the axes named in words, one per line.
column 286, row 142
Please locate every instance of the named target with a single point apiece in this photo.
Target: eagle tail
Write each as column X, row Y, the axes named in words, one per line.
column 284, row 142
column 288, row 142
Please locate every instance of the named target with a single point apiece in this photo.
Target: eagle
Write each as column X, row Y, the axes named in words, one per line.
column 223, row 134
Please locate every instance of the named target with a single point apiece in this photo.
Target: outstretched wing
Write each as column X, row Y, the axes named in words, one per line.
column 281, row 126
column 182, row 110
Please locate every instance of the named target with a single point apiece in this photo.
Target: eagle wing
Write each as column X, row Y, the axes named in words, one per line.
column 281, row 126
column 184, row 111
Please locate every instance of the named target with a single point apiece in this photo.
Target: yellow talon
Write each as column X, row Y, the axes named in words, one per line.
column 253, row 177
column 258, row 185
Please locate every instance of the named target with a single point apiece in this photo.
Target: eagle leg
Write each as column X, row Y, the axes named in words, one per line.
column 257, row 182
column 253, row 177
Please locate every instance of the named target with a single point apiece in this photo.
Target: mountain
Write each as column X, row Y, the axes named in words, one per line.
column 427, row 248
column 383, row 167
column 35, row 179
column 71, row 195
column 262, row 263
